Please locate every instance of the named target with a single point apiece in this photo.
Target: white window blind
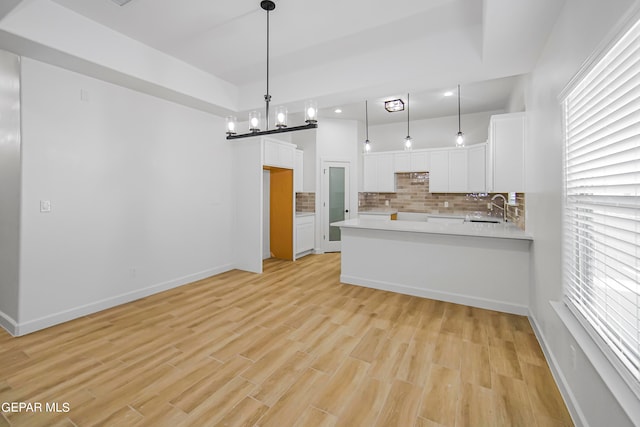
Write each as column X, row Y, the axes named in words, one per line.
column 602, row 203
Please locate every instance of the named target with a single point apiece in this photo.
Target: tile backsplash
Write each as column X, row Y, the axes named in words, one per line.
column 412, row 195
column 305, row 202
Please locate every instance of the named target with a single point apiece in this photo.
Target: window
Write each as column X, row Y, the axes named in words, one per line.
column 602, row 202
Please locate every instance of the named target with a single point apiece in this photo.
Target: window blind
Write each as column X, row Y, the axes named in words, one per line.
column 601, row 238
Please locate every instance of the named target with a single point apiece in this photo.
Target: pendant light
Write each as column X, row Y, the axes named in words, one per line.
column 460, row 137
column 407, row 140
column 310, row 111
column 367, row 144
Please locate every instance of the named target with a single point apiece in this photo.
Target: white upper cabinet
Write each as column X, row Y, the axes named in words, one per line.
column 298, row 172
column 378, row 173
column 451, row 170
column 419, row 161
column 402, row 162
column 458, row 172
column 439, row 172
column 411, row 161
column 279, row 154
column 505, row 159
column 477, row 162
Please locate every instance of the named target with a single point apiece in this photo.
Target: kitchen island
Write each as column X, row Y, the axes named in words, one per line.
column 478, row 264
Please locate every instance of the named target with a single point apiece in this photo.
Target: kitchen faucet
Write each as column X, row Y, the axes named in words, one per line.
column 504, row 205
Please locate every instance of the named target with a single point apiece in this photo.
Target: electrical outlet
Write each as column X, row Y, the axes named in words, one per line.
column 489, row 206
column 446, row 204
column 386, row 203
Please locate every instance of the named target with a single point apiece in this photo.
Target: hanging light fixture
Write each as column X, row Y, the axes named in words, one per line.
column 394, row 105
column 407, row 140
column 367, row 144
column 310, row 110
column 460, row 137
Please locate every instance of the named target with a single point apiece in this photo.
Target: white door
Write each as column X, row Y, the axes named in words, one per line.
column 335, row 202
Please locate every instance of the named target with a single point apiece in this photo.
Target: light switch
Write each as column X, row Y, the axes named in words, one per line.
column 45, row 206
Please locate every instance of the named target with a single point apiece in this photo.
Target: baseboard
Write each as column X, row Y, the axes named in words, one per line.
column 8, row 324
column 305, row 253
column 558, row 376
column 479, row 302
column 94, row 307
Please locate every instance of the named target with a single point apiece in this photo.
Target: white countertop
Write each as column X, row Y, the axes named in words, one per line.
column 301, row 214
column 476, row 229
column 379, row 212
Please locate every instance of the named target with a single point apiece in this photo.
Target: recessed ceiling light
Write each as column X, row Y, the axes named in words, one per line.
column 337, row 111
column 448, row 93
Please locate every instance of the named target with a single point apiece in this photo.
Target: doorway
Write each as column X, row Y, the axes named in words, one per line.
column 335, row 202
column 278, row 213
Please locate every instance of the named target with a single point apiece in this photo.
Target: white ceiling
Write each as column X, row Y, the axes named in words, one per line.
column 341, row 52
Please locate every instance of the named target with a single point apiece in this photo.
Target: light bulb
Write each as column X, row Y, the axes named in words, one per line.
column 254, row 121
column 407, row 143
column 460, row 140
column 367, row 146
column 311, row 112
column 281, row 117
column 231, row 125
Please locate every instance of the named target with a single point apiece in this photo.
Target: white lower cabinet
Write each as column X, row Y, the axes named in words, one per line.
column 305, row 234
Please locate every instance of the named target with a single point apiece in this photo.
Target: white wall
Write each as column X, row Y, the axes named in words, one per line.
column 45, row 30
column 581, row 27
column 9, row 187
column 139, row 189
column 431, row 133
column 516, row 101
column 336, row 140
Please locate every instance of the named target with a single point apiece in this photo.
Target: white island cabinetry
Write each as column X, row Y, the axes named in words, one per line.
column 454, row 262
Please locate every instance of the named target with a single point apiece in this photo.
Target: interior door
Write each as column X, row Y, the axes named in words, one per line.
column 335, row 202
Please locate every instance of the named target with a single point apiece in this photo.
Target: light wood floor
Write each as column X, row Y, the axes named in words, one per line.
column 291, row 347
